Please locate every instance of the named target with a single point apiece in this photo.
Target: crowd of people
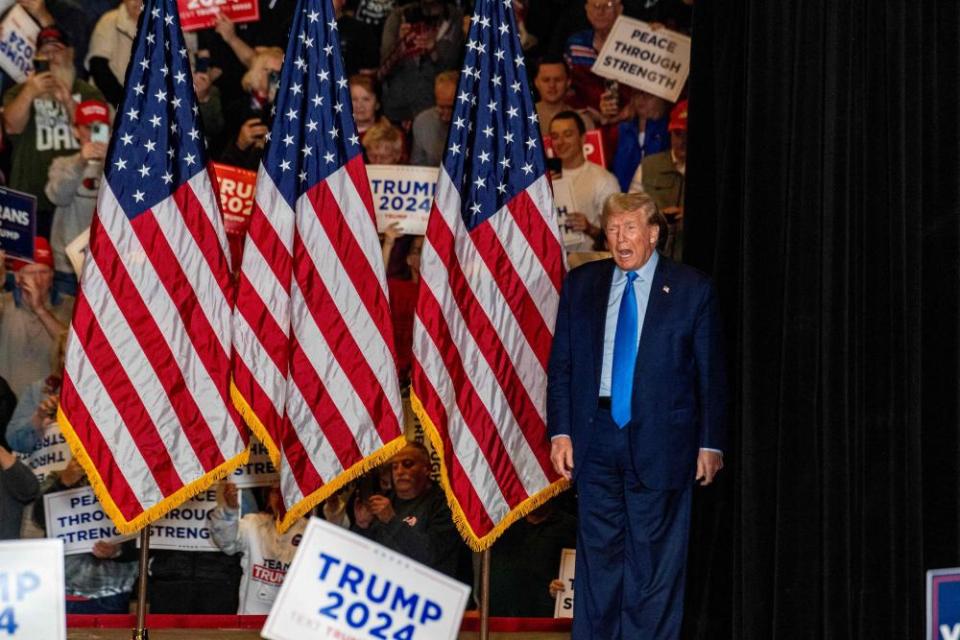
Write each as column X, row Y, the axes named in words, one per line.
column 402, row 58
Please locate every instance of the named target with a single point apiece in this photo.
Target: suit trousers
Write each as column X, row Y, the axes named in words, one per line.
column 631, row 545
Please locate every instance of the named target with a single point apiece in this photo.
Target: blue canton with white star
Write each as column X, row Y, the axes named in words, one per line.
column 158, row 142
column 494, row 149
column 313, row 132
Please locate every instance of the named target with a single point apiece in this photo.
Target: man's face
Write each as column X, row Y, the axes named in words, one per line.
column 552, row 82
column 678, row 144
column 411, row 473
column 630, row 238
column 58, row 55
column 566, row 138
column 648, row 105
column 603, row 13
column 38, row 276
column 444, row 93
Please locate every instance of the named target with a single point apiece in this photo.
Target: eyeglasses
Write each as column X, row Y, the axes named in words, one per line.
column 609, row 5
column 406, row 464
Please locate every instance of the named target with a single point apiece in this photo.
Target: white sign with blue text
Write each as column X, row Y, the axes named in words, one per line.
column 31, row 590
column 258, row 471
column 943, row 604
column 402, row 194
column 185, row 528
column 341, row 585
column 76, row 517
column 18, row 41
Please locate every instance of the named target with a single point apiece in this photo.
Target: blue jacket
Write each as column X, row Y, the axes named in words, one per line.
column 679, row 388
column 629, row 152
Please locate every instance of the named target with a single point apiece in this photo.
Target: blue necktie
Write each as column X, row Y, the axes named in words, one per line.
column 624, row 355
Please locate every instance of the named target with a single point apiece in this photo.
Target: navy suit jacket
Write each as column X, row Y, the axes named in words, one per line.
column 679, row 387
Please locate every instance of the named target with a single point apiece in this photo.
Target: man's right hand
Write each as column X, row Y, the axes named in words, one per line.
column 253, row 132
column 230, row 495
column 42, row 83
column 561, row 455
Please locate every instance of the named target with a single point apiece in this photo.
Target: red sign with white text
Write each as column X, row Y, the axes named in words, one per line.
column 236, row 188
column 592, row 147
column 202, row 14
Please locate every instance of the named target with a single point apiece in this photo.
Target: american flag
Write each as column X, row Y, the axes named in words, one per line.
column 145, row 401
column 314, row 365
column 491, row 271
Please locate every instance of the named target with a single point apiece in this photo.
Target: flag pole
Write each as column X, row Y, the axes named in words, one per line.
column 141, row 632
column 485, row 594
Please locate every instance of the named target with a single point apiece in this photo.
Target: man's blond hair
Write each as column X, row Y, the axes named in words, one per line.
column 630, row 202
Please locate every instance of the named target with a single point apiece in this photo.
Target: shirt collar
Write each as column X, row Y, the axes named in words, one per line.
column 645, row 272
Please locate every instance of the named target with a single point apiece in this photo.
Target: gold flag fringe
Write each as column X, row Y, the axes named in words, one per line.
column 309, row 502
column 255, row 425
column 475, row 542
column 158, row 510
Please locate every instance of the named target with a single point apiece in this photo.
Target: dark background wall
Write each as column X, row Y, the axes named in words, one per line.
column 823, row 198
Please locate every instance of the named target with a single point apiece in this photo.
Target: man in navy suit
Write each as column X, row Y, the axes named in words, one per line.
column 636, row 412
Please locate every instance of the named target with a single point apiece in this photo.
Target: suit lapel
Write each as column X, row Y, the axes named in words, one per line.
column 598, row 319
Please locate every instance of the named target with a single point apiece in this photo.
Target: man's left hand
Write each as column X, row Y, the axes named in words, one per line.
column 382, row 508
column 709, row 464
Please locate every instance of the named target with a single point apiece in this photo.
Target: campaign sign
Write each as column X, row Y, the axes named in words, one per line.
column 18, row 223
column 236, row 188
column 943, row 604
column 52, row 453
column 655, row 61
column 202, row 14
column 185, row 528
column 31, row 590
column 341, row 585
column 76, row 517
column 403, row 194
column 563, row 203
column 592, row 148
column 18, row 41
column 564, row 606
column 259, row 471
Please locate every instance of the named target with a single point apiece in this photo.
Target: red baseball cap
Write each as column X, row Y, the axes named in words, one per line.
column 42, row 254
column 90, row 111
column 678, row 117
column 52, row 35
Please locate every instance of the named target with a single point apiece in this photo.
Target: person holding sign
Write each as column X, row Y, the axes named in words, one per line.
column 18, row 487
column 636, row 403
column 590, row 91
column 590, row 184
column 100, row 581
column 32, row 318
column 267, row 554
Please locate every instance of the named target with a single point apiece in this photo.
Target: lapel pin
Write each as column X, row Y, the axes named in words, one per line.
column 666, row 289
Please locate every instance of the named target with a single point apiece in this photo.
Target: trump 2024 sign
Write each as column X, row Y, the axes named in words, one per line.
column 345, row 587
column 943, row 604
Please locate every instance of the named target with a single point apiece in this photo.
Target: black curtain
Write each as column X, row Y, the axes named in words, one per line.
column 823, row 198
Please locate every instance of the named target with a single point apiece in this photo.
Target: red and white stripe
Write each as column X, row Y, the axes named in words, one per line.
column 322, row 380
column 485, row 317
column 146, row 382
